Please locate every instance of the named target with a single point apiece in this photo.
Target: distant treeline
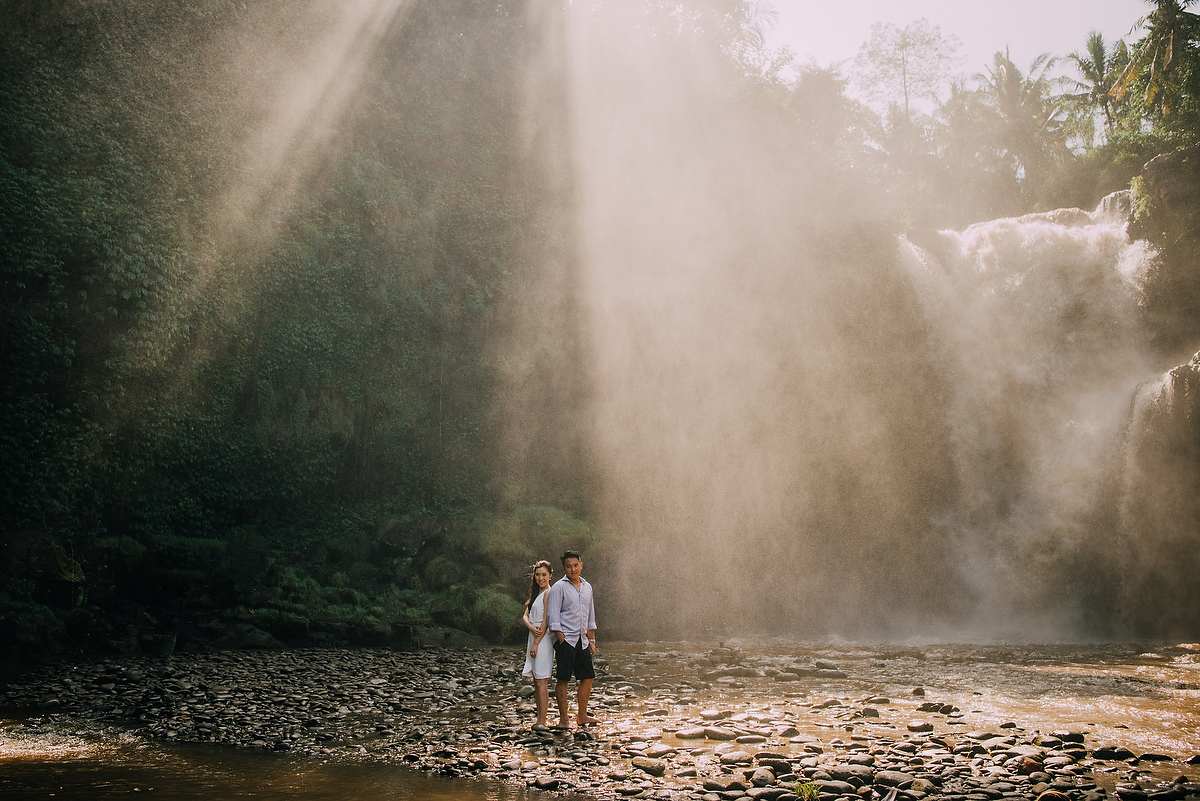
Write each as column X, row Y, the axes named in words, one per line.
column 280, row 390
column 274, row 377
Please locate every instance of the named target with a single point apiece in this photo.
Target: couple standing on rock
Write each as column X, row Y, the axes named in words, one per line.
column 566, row 611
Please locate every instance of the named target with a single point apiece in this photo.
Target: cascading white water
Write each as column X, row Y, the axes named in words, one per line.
column 1035, row 323
column 792, row 433
column 1159, row 503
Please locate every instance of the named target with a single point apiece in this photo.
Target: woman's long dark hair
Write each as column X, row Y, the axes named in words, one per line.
column 533, row 585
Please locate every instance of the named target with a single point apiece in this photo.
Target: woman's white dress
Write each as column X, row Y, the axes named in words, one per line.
column 540, row 667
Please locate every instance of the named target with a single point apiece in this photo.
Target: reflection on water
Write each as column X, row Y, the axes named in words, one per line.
column 73, row 766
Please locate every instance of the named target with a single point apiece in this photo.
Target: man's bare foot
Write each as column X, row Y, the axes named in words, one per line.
column 588, row 720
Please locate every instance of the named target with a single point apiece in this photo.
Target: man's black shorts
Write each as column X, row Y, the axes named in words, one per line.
column 575, row 659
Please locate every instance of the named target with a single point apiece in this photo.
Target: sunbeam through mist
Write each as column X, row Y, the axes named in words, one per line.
column 799, row 433
column 323, row 320
column 296, row 77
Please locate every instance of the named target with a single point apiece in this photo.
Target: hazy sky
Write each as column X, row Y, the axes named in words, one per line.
column 833, row 31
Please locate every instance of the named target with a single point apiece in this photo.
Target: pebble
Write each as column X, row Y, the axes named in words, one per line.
column 466, row 712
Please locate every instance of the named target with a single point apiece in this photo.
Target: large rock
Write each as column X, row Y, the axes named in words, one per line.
column 717, row 733
column 292, row 630
column 768, row 793
column 735, row 672
column 724, row 783
column 1113, row 752
column 762, row 777
column 894, row 778
column 850, row 773
column 835, row 787
column 655, row 767
column 1173, row 179
column 1027, row 765
column 244, row 635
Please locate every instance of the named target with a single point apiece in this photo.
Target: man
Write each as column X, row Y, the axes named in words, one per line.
column 572, row 618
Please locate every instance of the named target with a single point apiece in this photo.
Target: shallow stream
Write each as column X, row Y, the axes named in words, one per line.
column 69, row 766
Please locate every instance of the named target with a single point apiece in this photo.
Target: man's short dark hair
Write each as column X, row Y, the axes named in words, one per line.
column 571, row 555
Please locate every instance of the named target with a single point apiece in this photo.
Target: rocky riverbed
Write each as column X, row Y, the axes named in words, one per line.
column 775, row 722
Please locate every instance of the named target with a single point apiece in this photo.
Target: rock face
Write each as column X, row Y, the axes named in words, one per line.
column 1173, row 179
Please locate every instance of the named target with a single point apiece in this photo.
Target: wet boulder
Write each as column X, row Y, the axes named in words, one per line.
column 718, row 733
column 655, row 767
column 1113, row 752
column 720, row 784
column 855, row 774
column 761, row 777
column 834, row 787
column 894, row 778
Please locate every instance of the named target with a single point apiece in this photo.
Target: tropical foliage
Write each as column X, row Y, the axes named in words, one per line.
column 1099, row 65
column 196, row 414
column 302, row 415
column 901, row 66
column 1163, row 66
column 1062, row 131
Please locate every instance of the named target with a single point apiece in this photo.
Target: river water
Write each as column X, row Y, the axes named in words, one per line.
column 1144, row 698
column 65, row 765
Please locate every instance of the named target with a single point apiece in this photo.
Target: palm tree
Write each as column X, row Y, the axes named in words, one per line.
column 746, row 29
column 1031, row 117
column 980, row 173
column 1165, row 58
column 1100, row 70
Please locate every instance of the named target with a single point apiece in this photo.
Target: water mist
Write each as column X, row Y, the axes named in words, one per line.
column 1035, row 323
column 803, row 427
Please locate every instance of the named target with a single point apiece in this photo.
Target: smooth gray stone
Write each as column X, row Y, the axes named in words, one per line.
column 762, row 777
column 846, row 772
column 894, row 778
column 655, row 767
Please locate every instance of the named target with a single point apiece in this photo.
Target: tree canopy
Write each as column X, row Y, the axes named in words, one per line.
column 903, row 65
column 308, row 415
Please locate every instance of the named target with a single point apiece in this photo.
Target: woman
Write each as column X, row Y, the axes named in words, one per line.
column 540, row 656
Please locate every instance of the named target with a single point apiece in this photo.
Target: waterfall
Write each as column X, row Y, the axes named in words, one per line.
column 1159, row 504
column 794, row 426
column 1035, row 321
